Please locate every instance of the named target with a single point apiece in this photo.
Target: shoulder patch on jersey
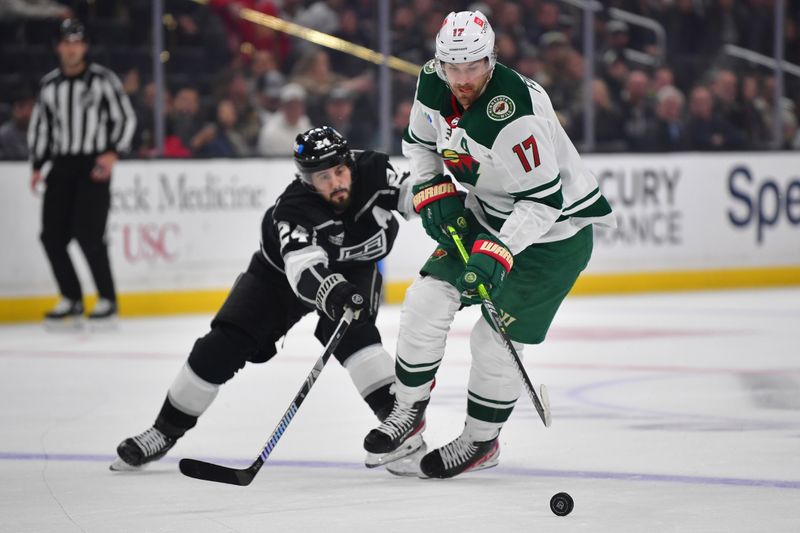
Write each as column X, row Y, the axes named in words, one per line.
column 431, row 91
column 500, row 107
column 429, row 67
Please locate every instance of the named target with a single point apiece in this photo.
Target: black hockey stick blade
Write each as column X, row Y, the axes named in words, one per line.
column 211, row 472
column 244, row 476
column 541, row 401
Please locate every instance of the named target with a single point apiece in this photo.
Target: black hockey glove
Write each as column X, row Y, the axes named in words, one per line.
column 335, row 294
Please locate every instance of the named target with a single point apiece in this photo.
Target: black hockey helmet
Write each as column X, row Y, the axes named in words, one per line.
column 320, row 149
column 71, row 30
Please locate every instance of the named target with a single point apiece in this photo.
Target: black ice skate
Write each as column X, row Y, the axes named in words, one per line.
column 67, row 314
column 398, row 436
column 104, row 315
column 135, row 452
column 459, row 456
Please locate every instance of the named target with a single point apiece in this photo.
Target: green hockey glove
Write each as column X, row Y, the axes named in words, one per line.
column 439, row 205
column 489, row 264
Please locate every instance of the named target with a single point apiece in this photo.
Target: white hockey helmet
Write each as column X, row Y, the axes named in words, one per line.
column 464, row 37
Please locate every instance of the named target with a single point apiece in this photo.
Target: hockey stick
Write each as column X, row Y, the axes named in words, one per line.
column 541, row 401
column 244, row 476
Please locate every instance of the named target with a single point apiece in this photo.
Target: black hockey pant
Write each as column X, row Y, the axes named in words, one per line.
column 259, row 310
column 77, row 207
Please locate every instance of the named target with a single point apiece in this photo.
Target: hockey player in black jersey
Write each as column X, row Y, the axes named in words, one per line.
column 320, row 244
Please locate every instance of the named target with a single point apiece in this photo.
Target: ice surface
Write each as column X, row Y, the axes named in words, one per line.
column 676, row 412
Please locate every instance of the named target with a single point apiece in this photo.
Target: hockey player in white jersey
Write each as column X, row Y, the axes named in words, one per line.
column 526, row 218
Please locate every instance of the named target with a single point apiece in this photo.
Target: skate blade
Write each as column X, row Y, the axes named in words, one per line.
column 407, row 448
column 121, row 466
column 408, row 466
column 102, row 325
column 63, row 325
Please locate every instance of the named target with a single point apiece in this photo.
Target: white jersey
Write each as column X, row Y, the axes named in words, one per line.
column 526, row 181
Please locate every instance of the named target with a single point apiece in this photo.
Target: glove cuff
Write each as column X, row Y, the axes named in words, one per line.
column 433, row 193
column 496, row 251
column 325, row 289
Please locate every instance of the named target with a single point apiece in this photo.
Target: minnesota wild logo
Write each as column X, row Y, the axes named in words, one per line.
column 500, row 107
column 462, row 166
column 429, row 67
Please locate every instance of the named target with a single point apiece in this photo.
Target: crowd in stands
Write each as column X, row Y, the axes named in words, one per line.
column 237, row 89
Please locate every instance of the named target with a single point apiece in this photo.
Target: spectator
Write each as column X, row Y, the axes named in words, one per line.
column 615, row 74
column 222, row 139
column 405, row 43
column 662, row 77
column 350, row 30
column 617, row 40
column 668, row 131
column 791, row 135
column 547, row 20
column 707, row 132
column 509, row 21
column 636, row 109
column 265, row 85
column 507, row 49
column 755, row 128
column 263, row 71
column 724, row 88
column 183, row 123
column 279, row 131
column 14, row 132
column 766, row 105
column 313, row 72
column 199, row 27
column 608, row 126
column 249, row 121
column 556, row 54
column 339, row 114
column 530, row 64
column 144, row 105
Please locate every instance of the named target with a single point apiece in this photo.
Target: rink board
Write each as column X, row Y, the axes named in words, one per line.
column 180, row 231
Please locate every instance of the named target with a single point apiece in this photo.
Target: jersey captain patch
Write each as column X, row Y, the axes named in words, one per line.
column 500, row 107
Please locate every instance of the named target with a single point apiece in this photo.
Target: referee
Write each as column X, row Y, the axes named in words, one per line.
column 81, row 121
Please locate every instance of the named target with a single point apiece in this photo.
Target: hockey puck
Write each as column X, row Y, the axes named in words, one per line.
column 561, row 504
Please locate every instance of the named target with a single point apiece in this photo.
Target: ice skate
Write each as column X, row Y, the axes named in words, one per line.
column 146, row 447
column 67, row 315
column 408, row 466
column 459, row 456
column 104, row 316
column 398, row 436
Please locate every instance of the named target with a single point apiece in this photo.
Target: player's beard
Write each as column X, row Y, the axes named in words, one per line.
column 466, row 98
column 339, row 201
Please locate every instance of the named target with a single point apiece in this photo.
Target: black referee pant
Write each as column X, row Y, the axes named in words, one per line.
column 76, row 207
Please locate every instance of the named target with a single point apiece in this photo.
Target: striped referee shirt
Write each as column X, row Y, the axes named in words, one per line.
column 87, row 114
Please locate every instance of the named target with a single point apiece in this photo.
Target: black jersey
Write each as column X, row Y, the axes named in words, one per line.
column 303, row 237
